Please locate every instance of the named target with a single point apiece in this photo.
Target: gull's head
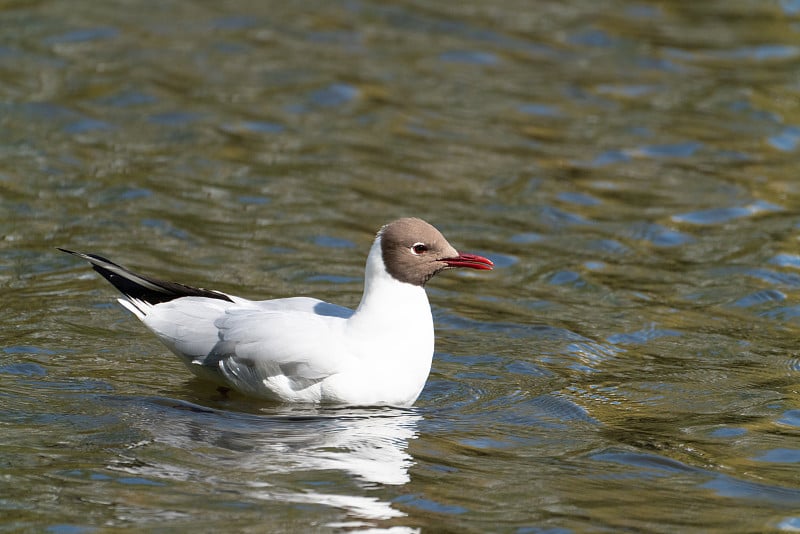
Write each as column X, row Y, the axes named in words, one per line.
column 413, row 251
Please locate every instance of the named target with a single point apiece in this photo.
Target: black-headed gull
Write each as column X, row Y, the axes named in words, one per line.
column 303, row 349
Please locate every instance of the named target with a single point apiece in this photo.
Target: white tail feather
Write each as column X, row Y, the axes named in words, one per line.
column 138, row 308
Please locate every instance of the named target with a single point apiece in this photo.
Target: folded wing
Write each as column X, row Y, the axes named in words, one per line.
column 279, row 353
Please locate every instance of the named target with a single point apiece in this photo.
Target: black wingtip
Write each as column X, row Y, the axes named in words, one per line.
column 145, row 288
column 87, row 256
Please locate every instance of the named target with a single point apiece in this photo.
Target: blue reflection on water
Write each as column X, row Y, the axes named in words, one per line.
column 23, row 369
column 86, row 125
column 726, row 486
column 333, row 242
column 334, row 95
column 610, row 157
column 174, row 118
column 787, row 139
column 581, row 199
column 428, row 505
column 527, row 237
column 786, row 456
column 83, row 35
column 643, row 336
column 786, row 260
column 253, row 199
column 566, row 277
column 126, row 99
column 468, row 56
column 728, row 432
column 791, row 7
column 541, row 110
column 26, row 349
column 722, row 215
column 62, row 528
column 673, row 150
column 760, row 297
column 790, row 417
column 592, row 37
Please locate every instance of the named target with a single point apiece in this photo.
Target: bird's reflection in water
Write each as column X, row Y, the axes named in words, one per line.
column 291, row 454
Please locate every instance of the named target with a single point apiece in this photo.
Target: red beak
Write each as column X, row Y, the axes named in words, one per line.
column 473, row 261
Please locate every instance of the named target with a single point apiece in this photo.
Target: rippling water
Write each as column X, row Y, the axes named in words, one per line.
column 631, row 168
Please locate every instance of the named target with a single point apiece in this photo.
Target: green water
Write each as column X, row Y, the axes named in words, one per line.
column 631, row 167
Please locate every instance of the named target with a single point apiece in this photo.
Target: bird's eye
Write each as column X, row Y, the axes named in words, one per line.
column 419, row 248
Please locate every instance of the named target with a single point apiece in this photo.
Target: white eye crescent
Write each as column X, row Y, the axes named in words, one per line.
column 419, row 248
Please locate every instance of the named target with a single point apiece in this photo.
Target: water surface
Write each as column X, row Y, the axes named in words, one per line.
column 631, row 168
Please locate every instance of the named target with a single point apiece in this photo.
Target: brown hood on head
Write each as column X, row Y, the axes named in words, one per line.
column 414, row 251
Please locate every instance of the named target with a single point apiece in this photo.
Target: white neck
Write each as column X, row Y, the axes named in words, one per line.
column 392, row 307
column 392, row 332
